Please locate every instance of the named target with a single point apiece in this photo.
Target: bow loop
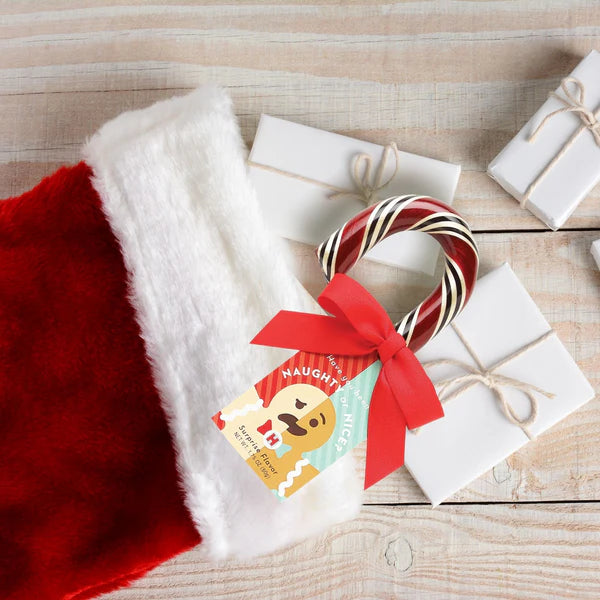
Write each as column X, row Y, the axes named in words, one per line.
column 361, row 171
column 578, row 100
column 367, row 183
column 574, row 102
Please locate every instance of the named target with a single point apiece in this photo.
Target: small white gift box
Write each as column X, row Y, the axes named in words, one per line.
column 537, row 383
column 309, row 183
column 554, row 161
column 596, row 252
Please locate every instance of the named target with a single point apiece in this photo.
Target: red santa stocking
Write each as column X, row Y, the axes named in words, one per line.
column 130, row 287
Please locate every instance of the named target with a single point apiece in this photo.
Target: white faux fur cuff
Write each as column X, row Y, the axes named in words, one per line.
column 206, row 275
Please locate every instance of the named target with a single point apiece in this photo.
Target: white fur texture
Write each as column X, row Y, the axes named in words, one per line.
column 206, row 275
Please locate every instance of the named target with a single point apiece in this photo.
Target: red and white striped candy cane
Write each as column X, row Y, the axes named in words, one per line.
column 347, row 245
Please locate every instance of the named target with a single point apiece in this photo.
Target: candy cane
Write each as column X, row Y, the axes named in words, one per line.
column 343, row 249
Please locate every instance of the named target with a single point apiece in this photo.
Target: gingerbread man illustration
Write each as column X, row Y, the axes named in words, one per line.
column 303, row 420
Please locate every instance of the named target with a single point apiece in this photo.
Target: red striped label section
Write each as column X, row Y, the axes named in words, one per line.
column 326, row 372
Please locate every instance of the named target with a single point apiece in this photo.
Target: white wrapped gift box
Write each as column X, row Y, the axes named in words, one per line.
column 298, row 172
column 595, row 250
column 475, row 434
column 560, row 166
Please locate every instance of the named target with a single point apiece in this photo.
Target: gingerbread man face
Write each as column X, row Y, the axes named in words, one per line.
column 293, row 403
column 312, row 430
column 306, row 413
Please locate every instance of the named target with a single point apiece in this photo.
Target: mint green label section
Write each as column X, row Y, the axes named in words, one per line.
column 352, row 414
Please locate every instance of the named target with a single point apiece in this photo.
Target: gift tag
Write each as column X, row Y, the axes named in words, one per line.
column 301, row 417
column 315, row 407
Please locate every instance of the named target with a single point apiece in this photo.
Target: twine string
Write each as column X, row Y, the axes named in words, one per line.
column 451, row 388
column 574, row 102
column 368, row 182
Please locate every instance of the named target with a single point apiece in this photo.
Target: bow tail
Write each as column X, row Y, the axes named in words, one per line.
column 403, row 397
column 386, row 432
column 414, row 391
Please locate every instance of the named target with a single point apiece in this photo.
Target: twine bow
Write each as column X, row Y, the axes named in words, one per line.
column 574, row 102
column 367, row 183
column 453, row 387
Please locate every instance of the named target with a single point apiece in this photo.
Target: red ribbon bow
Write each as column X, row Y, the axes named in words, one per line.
column 403, row 394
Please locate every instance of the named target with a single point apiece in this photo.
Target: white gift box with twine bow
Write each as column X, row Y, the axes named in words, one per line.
column 595, row 250
column 503, row 377
column 309, row 182
column 554, row 161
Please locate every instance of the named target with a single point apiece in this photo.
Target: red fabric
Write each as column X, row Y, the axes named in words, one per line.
column 89, row 494
column 403, row 394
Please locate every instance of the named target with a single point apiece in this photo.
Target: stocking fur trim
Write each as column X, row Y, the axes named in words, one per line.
column 205, row 276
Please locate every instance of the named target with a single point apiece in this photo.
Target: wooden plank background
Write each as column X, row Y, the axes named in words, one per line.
column 450, row 79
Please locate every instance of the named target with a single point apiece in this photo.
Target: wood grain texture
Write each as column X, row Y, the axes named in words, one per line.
column 512, row 552
column 448, row 80
column 453, row 80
